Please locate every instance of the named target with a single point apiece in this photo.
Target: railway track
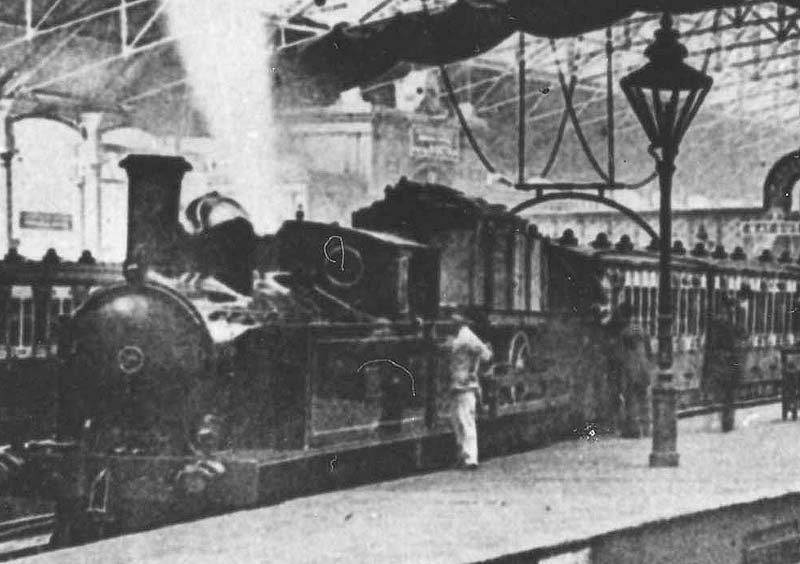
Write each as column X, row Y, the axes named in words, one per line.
column 25, row 536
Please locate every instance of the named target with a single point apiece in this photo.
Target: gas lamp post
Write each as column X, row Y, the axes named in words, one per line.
column 665, row 95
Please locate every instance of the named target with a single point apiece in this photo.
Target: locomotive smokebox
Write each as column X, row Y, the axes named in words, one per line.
column 154, row 193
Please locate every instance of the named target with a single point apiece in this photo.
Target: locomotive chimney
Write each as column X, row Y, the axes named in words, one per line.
column 154, row 192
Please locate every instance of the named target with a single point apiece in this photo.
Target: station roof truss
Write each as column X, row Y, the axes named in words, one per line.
column 61, row 57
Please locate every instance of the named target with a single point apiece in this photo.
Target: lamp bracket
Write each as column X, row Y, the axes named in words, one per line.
column 567, row 186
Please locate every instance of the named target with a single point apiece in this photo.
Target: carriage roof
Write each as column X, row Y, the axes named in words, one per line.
column 649, row 259
column 412, row 206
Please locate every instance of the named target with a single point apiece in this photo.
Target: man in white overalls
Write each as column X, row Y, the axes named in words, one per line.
column 467, row 350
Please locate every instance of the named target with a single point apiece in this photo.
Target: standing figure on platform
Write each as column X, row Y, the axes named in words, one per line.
column 466, row 352
column 630, row 372
column 724, row 361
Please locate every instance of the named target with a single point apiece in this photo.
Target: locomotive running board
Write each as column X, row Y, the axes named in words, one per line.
column 299, row 473
column 147, row 498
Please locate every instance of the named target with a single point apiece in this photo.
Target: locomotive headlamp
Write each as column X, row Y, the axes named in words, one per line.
column 665, row 95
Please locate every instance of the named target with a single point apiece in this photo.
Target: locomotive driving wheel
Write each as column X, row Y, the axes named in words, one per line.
column 519, row 362
column 519, row 351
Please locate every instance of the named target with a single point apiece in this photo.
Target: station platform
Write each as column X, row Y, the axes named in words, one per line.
column 568, row 502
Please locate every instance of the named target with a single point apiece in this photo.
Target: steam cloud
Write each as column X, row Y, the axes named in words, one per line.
column 225, row 52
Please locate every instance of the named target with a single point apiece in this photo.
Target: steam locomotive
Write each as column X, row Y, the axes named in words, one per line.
column 208, row 350
column 164, row 372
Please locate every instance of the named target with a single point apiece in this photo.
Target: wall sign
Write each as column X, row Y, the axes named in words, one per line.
column 431, row 142
column 45, row 220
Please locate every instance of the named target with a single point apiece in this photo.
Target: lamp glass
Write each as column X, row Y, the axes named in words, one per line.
column 666, row 93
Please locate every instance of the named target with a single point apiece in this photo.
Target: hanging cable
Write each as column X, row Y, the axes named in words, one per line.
column 610, row 105
column 451, row 96
column 453, row 99
column 562, row 126
column 562, row 81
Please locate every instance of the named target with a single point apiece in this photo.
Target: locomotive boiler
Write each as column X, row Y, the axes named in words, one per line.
column 139, row 358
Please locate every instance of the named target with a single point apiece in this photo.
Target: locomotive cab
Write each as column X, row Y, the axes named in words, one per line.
column 371, row 274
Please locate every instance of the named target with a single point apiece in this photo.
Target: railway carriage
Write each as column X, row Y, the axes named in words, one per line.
column 34, row 298
column 628, row 275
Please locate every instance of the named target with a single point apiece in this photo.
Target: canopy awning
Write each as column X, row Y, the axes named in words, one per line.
column 119, row 56
column 317, row 70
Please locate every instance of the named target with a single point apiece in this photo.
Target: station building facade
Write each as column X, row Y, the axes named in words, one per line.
column 68, row 193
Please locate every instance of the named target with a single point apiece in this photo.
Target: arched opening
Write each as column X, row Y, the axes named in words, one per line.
column 780, row 181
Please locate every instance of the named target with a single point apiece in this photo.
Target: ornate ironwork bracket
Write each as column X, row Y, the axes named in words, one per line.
column 542, row 199
column 569, row 113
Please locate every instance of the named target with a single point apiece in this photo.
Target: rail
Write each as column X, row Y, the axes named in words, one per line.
column 25, row 536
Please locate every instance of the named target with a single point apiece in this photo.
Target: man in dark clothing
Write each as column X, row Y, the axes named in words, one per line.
column 724, row 360
column 629, row 370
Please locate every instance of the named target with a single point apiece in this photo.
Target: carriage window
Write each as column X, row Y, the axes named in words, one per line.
column 401, row 301
column 478, row 269
column 761, row 312
column 627, row 295
column 14, row 317
column 537, row 276
column 519, row 274
column 770, row 312
column 653, row 310
column 781, row 316
column 676, row 310
column 684, row 321
column 646, row 305
column 636, row 303
column 27, row 322
column 4, row 317
column 21, row 318
column 500, row 269
column 783, row 311
column 744, row 317
column 52, row 318
column 691, row 297
column 702, row 310
column 60, row 303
